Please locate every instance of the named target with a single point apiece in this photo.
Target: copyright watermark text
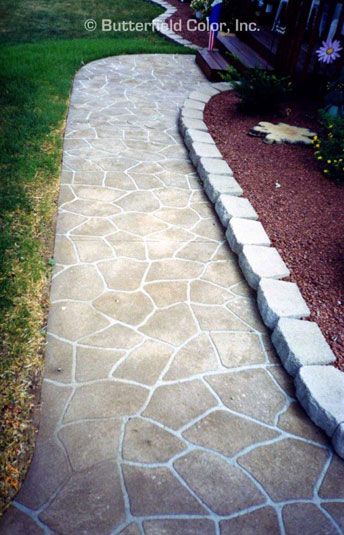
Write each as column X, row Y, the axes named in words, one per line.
column 90, row 25
column 127, row 26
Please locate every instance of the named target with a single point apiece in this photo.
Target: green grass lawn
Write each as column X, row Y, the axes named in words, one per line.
column 42, row 44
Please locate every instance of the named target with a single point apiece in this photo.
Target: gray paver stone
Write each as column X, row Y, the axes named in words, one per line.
column 191, row 113
column 242, row 232
column 186, row 123
column 201, row 95
column 194, row 104
column 208, row 89
column 203, row 150
column 261, row 262
column 280, row 299
column 223, row 86
column 300, row 343
column 228, row 206
column 320, row 390
column 197, row 136
column 213, row 166
column 216, row 185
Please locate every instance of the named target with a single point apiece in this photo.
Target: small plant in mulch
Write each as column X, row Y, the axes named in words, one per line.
column 201, row 7
column 329, row 147
column 261, row 91
column 231, row 74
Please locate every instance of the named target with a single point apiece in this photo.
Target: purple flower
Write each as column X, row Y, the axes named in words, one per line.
column 329, row 51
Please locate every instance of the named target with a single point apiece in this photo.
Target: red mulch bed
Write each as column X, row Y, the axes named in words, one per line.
column 304, row 217
column 181, row 16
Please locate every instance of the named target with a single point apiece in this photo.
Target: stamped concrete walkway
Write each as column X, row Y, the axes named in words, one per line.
column 164, row 410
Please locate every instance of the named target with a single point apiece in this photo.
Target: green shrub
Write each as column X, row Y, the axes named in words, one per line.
column 203, row 6
column 329, row 147
column 231, row 74
column 261, row 91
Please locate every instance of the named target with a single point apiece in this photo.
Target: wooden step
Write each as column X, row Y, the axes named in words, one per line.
column 244, row 57
column 264, row 42
column 212, row 64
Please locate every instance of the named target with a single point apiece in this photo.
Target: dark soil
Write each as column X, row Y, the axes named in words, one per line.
column 304, row 217
column 181, row 16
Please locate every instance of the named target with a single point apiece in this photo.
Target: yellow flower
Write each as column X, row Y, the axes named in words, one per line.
column 325, row 171
column 329, row 161
column 315, row 138
column 317, row 146
column 320, row 157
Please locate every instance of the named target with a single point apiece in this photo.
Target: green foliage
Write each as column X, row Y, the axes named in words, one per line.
column 203, row 6
column 34, row 20
column 261, row 91
column 329, row 147
column 231, row 74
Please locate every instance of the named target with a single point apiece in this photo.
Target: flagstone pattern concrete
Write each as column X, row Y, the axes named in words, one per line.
column 164, row 407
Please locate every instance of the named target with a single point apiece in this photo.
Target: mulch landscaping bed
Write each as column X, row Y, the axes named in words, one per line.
column 184, row 14
column 304, row 218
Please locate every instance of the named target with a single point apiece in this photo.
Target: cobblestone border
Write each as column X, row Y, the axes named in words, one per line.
column 159, row 25
column 300, row 344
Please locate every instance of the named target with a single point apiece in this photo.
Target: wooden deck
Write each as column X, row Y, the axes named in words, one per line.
column 230, row 50
column 241, row 53
column 265, row 43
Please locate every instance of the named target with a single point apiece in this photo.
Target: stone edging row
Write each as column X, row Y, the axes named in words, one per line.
column 300, row 344
column 160, row 25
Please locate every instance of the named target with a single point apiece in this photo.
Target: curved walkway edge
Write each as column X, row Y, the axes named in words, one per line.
column 164, row 406
column 300, row 344
column 160, row 25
